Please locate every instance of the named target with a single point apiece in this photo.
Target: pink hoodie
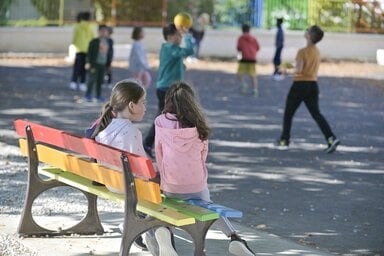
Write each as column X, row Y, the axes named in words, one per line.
column 180, row 156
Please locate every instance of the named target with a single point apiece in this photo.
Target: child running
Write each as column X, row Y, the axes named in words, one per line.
column 116, row 129
column 138, row 62
column 305, row 89
column 181, row 145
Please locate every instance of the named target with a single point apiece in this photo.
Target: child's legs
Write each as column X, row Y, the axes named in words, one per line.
column 150, row 138
column 76, row 67
column 203, row 195
column 91, row 81
column 145, row 78
column 251, row 71
column 224, row 225
column 293, row 101
column 312, row 104
column 100, row 71
column 82, row 71
column 254, row 81
column 277, row 59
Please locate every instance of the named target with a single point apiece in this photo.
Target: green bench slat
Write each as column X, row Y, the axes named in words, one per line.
column 199, row 213
column 81, row 183
column 220, row 209
column 164, row 213
column 160, row 212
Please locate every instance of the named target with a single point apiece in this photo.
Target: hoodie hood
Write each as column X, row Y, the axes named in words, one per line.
column 170, row 132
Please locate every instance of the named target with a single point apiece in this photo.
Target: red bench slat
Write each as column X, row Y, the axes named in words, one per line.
column 140, row 165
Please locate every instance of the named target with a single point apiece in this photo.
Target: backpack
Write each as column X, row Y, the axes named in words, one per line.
column 90, row 130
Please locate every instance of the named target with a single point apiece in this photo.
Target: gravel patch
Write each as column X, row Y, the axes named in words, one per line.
column 9, row 246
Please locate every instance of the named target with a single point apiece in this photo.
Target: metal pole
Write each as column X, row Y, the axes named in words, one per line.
column 113, row 12
column 164, row 13
column 61, row 13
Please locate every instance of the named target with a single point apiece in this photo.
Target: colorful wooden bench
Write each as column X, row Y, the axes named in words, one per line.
column 69, row 160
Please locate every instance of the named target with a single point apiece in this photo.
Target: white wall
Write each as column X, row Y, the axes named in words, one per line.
column 216, row 43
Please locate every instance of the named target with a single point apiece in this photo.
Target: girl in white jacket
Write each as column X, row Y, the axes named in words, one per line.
column 116, row 129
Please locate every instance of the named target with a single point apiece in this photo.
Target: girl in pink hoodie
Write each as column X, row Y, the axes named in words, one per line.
column 181, row 146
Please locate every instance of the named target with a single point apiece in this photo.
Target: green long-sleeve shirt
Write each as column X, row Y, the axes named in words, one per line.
column 171, row 67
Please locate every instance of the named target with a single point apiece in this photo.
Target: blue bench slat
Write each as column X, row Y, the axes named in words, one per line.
column 220, row 209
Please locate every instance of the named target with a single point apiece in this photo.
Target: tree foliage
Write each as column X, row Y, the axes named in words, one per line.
column 49, row 9
column 4, row 5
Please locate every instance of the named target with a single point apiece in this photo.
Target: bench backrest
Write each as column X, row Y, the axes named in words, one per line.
column 72, row 153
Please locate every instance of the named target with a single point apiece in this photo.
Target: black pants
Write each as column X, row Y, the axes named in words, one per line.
column 306, row 91
column 79, row 68
column 150, row 138
column 277, row 60
column 96, row 76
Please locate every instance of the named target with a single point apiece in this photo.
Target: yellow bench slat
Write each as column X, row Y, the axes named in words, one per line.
column 145, row 190
column 164, row 213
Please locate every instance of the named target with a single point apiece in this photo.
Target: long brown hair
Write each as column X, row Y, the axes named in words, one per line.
column 125, row 91
column 181, row 101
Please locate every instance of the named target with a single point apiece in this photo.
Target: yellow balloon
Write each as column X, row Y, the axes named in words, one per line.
column 183, row 20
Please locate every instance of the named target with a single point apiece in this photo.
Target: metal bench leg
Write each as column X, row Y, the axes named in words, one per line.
column 198, row 232
column 36, row 186
column 90, row 224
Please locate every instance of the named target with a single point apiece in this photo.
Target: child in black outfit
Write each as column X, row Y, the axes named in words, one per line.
column 99, row 57
column 305, row 89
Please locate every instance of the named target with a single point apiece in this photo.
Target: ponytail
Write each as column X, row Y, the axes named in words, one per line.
column 105, row 119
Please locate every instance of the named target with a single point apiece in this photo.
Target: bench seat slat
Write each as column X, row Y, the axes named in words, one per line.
column 164, row 213
column 80, row 182
column 199, row 213
column 220, row 209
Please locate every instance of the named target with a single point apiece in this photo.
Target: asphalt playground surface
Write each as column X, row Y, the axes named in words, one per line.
column 328, row 203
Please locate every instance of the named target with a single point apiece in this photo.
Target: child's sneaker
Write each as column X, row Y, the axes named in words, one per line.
column 239, row 247
column 332, row 145
column 278, row 77
column 73, row 86
column 243, row 88
column 83, row 87
column 151, row 243
column 256, row 92
column 163, row 238
column 282, row 144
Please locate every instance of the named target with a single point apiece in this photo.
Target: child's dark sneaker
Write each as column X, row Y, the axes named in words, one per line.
column 282, row 144
column 332, row 145
column 101, row 99
column 239, row 247
column 88, row 98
